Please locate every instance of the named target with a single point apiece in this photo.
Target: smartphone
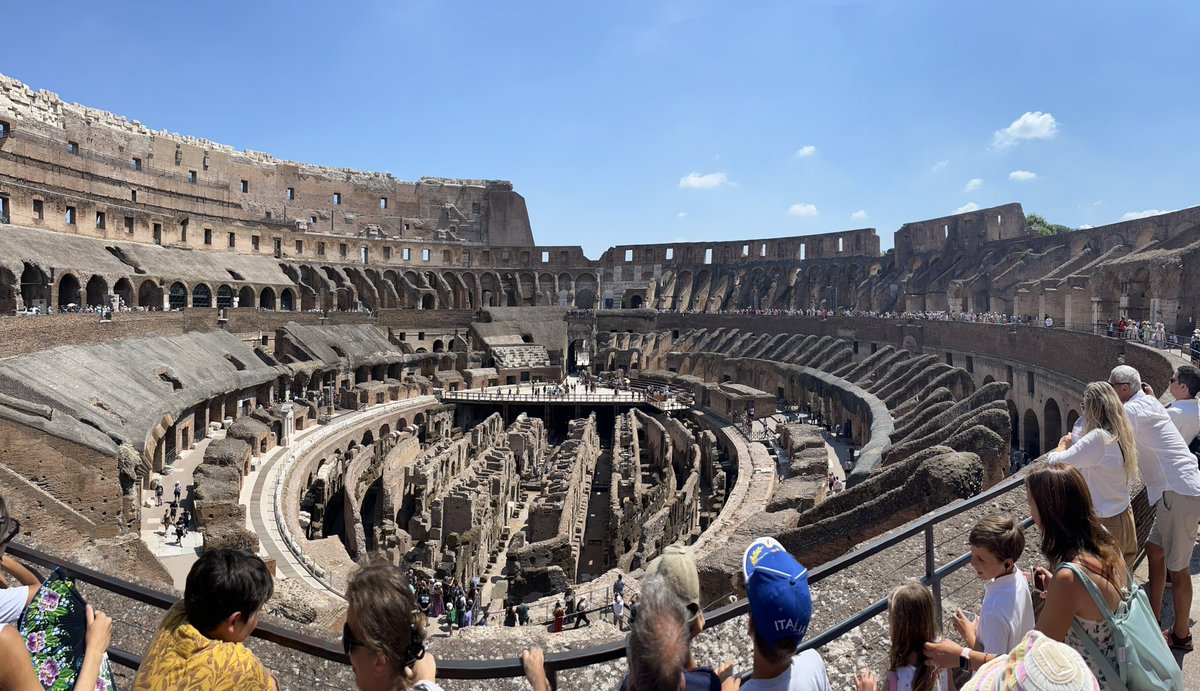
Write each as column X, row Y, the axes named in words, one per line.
column 1039, row 580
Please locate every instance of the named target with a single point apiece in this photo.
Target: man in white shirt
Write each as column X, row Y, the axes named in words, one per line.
column 1185, row 410
column 1173, row 487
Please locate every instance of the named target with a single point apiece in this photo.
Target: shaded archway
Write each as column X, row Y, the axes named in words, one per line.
column 266, row 299
column 635, row 302
column 1014, row 421
column 427, row 301
column 287, row 301
column 1072, row 418
column 35, row 287
column 1051, row 425
column 124, row 290
column 150, row 295
column 224, row 297
column 1032, row 434
column 201, row 296
column 246, row 297
column 68, row 291
column 438, row 346
column 177, row 296
column 97, row 291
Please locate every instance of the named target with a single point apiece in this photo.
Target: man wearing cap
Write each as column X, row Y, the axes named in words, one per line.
column 678, row 568
column 1173, row 488
column 780, row 609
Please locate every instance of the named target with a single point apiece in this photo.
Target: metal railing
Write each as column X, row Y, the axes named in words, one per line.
column 606, row 652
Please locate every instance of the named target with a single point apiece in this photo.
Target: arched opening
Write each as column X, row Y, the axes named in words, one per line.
column 286, row 300
column 177, row 296
column 1051, row 425
column 68, row 291
column 124, row 290
column 585, row 298
column 635, row 302
column 35, row 287
column 224, row 297
column 1072, row 418
column 150, row 295
column 201, row 296
column 246, row 297
column 368, row 438
column 427, row 301
column 97, row 292
column 988, row 380
column 1032, row 435
column 266, row 299
column 439, row 346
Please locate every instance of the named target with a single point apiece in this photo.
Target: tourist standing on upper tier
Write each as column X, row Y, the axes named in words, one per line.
column 1185, row 410
column 1106, row 455
column 1173, row 488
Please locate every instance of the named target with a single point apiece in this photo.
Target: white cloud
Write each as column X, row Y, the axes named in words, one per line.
column 973, row 184
column 1086, row 226
column 859, row 215
column 1134, row 215
column 940, row 166
column 806, row 151
column 1022, row 176
column 681, row 214
column 1035, row 125
column 697, row 181
column 969, row 206
column 802, row 210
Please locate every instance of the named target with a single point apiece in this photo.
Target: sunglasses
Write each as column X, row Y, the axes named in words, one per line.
column 349, row 642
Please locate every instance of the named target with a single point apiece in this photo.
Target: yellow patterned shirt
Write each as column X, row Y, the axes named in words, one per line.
column 181, row 658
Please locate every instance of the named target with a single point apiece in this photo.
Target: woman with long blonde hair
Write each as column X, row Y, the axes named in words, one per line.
column 1107, row 458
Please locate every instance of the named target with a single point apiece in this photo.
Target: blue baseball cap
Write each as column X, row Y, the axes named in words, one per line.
column 777, row 587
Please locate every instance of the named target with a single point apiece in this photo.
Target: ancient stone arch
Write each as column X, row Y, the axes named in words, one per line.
column 1051, row 425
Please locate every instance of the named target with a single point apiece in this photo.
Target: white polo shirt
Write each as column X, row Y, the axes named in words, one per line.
column 1097, row 456
column 1186, row 416
column 1006, row 615
column 1163, row 457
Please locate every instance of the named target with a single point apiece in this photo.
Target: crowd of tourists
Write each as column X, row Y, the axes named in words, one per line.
column 1054, row 630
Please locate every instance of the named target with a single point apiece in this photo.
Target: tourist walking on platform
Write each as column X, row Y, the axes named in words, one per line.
column 581, row 612
column 158, row 493
column 559, row 613
column 618, row 612
column 178, row 490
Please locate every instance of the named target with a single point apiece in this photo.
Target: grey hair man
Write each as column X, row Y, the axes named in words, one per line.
column 1173, row 488
column 658, row 644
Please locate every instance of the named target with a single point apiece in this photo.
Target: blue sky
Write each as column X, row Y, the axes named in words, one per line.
column 637, row 122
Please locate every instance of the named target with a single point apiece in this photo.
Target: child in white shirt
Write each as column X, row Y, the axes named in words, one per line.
column 1007, row 613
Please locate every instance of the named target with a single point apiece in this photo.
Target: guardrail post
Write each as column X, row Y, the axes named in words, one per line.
column 934, row 581
column 552, row 679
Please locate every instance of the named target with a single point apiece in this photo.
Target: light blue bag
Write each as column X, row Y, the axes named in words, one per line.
column 1145, row 662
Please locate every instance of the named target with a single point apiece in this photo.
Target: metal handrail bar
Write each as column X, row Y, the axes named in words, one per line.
column 555, row 662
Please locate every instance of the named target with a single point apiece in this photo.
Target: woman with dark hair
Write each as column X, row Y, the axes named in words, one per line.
column 1072, row 534
column 384, row 634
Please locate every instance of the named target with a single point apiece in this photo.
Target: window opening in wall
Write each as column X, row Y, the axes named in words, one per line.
column 999, row 219
column 178, row 155
column 1009, row 375
column 129, row 224
column 446, row 257
column 73, row 148
column 383, row 202
column 270, row 215
column 420, row 335
column 970, row 364
column 387, row 253
column 406, row 227
column 254, row 242
column 38, row 210
column 762, row 250
column 745, row 250
column 170, row 379
column 628, row 255
column 404, row 254
column 362, row 255
column 670, row 253
column 524, row 257
column 545, row 257
column 402, row 336
column 208, row 236
column 5, row 129
column 158, row 233
column 424, row 255
column 466, row 257
column 854, row 347
column 708, row 256
column 205, row 164
column 183, row 231
column 233, row 239
column 946, row 230
column 291, row 193
column 245, row 186
column 802, row 250
column 1029, row 382
column 4, row 209
column 320, row 249
column 841, row 245
column 337, row 198
column 70, row 216
column 342, row 249
column 950, row 359
column 314, row 220
column 133, row 195
column 487, row 256
column 135, row 163
column 299, row 247
column 192, row 176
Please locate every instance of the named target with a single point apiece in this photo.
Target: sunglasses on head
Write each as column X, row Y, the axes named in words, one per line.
column 349, row 642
